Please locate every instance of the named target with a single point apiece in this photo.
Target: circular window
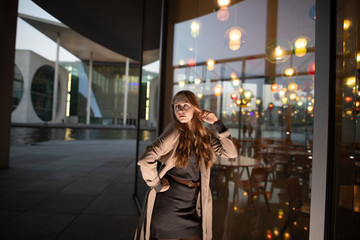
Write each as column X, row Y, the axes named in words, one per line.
column 18, row 87
column 42, row 92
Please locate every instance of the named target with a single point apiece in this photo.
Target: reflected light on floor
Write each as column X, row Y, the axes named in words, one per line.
column 286, row 236
column 268, row 234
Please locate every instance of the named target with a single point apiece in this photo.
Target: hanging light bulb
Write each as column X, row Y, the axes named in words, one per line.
column 347, row 24
column 223, row 3
column 236, row 82
column 284, row 100
column 241, row 90
column 210, row 64
column 234, row 96
column 274, row 87
column 293, row 87
column 301, row 45
column 235, row 37
column 195, row 28
column 182, row 84
column 247, row 94
column 197, row 81
column 218, row 90
column 278, row 51
column 199, row 95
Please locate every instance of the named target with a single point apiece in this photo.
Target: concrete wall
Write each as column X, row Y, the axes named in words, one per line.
column 29, row 62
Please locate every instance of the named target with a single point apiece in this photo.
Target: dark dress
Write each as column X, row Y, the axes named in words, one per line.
column 174, row 214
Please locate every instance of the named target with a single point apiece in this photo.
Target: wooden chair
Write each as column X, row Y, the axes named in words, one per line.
column 254, row 186
column 297, row 208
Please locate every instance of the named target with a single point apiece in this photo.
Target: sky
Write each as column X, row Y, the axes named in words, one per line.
column 28, row 38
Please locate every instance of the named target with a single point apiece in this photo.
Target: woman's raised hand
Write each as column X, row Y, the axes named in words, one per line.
column 208, row 116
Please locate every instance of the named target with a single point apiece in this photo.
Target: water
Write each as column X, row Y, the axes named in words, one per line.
column 31, row 135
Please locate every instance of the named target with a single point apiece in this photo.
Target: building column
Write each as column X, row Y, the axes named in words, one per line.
column 56, row 80
column 8, row 20
column 126, row 90
column 88, row 108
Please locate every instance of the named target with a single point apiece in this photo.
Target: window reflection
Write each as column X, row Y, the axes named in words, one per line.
column 260, row 82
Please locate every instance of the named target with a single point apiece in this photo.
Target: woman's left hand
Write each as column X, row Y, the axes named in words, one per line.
column 208, row 116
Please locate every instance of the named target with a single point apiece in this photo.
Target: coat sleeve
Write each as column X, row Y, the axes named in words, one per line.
column 153, row 153
column 223, row 145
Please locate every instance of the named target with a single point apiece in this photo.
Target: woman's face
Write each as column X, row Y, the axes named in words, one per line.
column 183, row 109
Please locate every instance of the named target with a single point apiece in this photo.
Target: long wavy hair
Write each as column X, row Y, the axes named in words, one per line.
column 194, row 137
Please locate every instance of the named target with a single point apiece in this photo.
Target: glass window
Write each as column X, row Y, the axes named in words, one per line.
column 252, row 63
column 346, row 174
column 18, row 87
column 42, row 92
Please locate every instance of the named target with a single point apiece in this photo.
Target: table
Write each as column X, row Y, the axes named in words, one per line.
column 229, row 164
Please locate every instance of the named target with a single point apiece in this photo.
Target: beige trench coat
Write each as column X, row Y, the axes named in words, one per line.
column 163, row 149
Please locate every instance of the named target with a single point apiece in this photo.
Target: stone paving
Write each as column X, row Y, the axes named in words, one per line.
column 69, row 190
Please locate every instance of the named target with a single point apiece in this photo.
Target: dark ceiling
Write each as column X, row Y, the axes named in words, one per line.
column 115, row 24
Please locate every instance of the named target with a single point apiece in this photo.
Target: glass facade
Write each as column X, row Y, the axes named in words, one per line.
column 107, row 92
column 18, row 87
column 346, row 167
column 252, row 63
column 42, row 92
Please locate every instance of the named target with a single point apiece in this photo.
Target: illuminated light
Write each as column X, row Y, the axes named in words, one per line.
column 300, row 52
column 235, row 208
column 233, row 75
column 279, row 112
column 278, row 51
column 268, row 234
column 210, row 64
column 350, row 81
column 234, row 96
column 357, row 104
column 223, row 14
column 191, row 49
column 295, row 223
column 236, row 82
column 305, row 228
column 70, row 68
column 289, row 72
column 271, row 106
column 241, row 90
column 258, row 101
column 223, row 3
column 245, row 194
column 199, row 95
column 191, row 62
column 310, row 108
column 299, row 104
column 347, row 24
column 276, row 231
column 247, row 94
column 286, row 236
column 274, row 87
column 281, row 93
column 218, row 90
column 280, row 214
column 182, row 84
column 300, row 42
column 197, row 81
column 348, row 99
column 235, row 37
column 182, row 62
column 349, row 112
column 292, row 96
column 284, row 100
column 238, row 102
column 311, row 68
column 249, row 105
column 195, row 29
column 293, row 87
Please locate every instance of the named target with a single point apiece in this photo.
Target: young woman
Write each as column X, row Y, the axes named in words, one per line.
column 179, row 204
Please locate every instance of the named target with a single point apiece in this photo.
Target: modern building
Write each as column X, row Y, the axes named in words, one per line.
column 253, row 63
column 33, row 89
